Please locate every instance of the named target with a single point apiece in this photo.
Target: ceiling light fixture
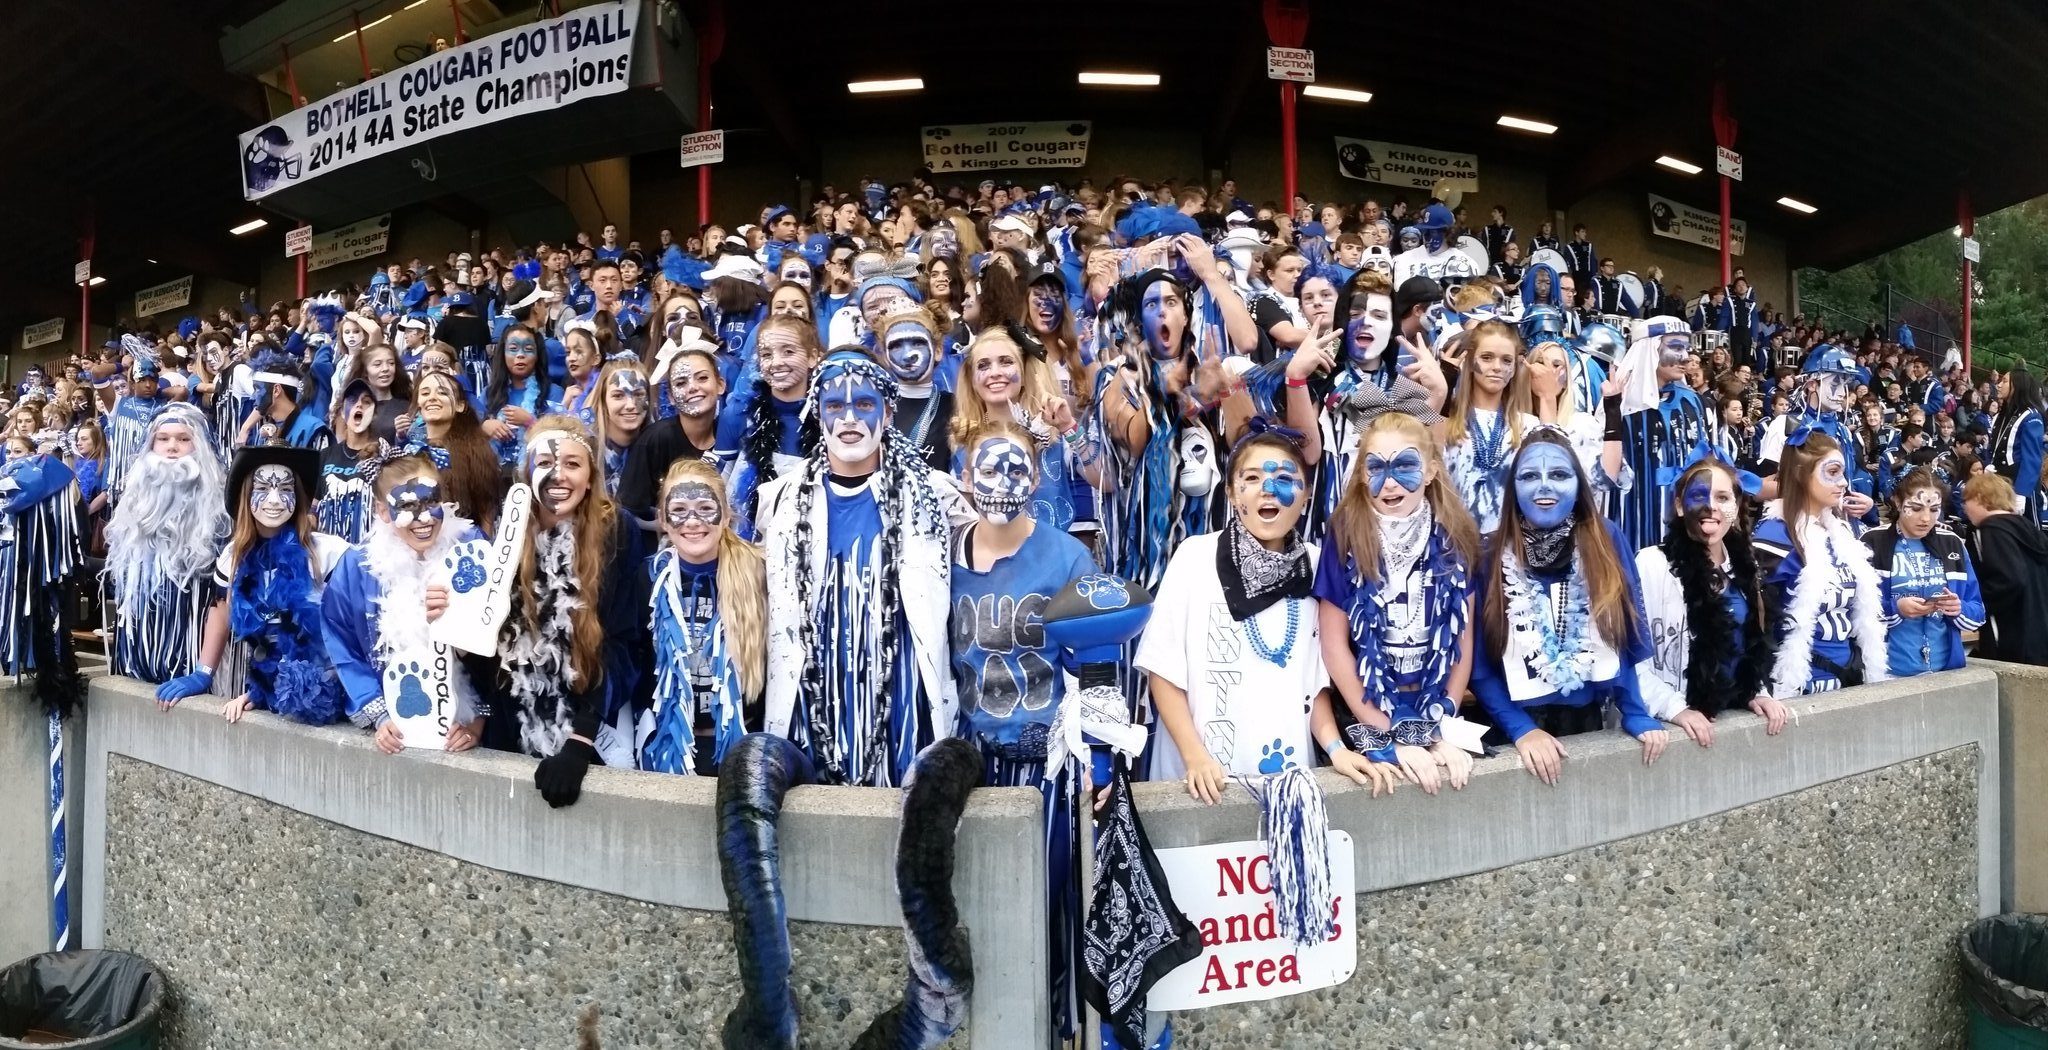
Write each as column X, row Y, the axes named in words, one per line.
column 1799, row 206
column 1336, row 93
column 97, row 281
column 250, row 227
column 372, row 25
column 1524, row 124
column 1121, row 79
column 876, row 87
column 1678, row 165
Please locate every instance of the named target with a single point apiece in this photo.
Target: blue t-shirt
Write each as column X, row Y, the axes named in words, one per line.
column 1007, row 676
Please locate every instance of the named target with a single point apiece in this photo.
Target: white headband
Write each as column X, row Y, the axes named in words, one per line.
column 275, row 377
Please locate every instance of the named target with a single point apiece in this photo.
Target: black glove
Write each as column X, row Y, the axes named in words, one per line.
column 560, row 775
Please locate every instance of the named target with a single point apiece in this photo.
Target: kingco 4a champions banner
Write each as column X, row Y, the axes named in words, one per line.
column 536, row 67
column 1683, row 222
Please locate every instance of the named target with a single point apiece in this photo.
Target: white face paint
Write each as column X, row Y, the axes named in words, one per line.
column 352, row 337
column 560, row 469
column 1001, row 475
column 273, row 495
column 853, row 412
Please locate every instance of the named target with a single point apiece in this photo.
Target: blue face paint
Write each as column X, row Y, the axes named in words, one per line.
column 1546, row 485
column 908, row 348
column 1697, row 496
column 1281, row 481
column 1405, row 470
column 852, row 412
column 1433, row 240
column 1155, row 313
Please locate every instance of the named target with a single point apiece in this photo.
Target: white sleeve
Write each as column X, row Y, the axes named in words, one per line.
column 1162, row 649
column 1662, row 688
column 1770, row 448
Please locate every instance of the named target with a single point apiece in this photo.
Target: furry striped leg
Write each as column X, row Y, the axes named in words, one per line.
column 757, row 772
column 934, row 1002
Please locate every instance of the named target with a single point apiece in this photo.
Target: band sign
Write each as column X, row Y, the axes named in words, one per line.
column 1728, row 162
column 1291, row 63
column 1226, row 890
column 82, row 272
column 298, row 242
column 705, row 147
column 1972, row 250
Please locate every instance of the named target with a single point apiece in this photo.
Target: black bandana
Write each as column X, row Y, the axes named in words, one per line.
column 1548, row 549
column 1254, row 577
column 1134, row 934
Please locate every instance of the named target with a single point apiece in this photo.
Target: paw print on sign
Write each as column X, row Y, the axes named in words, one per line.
column 1276, row 757
column 465, row 573
column 412, row 696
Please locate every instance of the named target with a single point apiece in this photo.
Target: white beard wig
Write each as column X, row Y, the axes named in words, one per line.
column 172, row 517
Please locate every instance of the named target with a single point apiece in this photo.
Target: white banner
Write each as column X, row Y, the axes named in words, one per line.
column 42, row 333
column 1683, row 222
column 357, row 240
column 980, row 147
column 166, row 296
column 531, row 69
column 1408, row 167
column 1226, row 890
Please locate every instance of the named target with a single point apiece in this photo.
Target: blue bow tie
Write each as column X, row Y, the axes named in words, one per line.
column 1405, row 470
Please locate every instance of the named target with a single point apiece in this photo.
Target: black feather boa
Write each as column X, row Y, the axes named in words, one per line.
column 1710, row 686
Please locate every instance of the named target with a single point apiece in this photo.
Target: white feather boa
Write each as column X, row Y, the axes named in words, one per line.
column 1838, row 543
column 402, row 574
column 540, row 674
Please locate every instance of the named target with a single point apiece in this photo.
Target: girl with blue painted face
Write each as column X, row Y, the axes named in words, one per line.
column 1709, row 649
column 373, row 613
column 518, row 392
column 1560, row 615
column 1396, row 602
column 1232, row 650
column 1830, row 628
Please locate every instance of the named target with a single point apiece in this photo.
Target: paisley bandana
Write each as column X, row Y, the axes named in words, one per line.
column 1254, row 577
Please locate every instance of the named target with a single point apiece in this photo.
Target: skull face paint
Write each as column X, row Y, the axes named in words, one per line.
column 852, row 412
column 273, row 495
column 1546, row 485
column 1001, row 476
column 691, row 501
column 1833, row 388
column 907, row 349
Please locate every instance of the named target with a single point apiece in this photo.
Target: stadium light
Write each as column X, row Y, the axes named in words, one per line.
column 1121, row 79
column 1799, row 206
column 1336, row 93
column 876, row 87
column 250, row 227
column 1524, row 124
column 1678, row 165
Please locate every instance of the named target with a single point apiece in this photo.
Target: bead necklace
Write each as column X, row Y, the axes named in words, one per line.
column 1277, row 656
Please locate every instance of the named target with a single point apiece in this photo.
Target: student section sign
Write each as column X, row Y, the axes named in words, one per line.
column 1226, row 890
column 536, row 67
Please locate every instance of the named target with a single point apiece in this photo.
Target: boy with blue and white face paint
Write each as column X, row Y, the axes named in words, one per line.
column 909, row 348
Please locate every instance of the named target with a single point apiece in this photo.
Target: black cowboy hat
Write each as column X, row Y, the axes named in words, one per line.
column 304, row 464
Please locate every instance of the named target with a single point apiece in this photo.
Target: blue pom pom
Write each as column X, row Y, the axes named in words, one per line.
column 302, row 693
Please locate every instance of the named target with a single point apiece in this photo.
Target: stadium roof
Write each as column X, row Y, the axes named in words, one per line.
column 1877, row 113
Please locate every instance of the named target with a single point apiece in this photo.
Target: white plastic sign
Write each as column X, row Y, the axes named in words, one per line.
column 81, row 272
column 298, row 242
column 419, row 695
column 1291, row 63
column 1728, row 162
column 480, row 577
column 1226, row 891
column 705, row 147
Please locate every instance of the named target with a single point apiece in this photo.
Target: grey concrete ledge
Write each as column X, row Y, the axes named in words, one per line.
column 645, row 837
column 1504, row 816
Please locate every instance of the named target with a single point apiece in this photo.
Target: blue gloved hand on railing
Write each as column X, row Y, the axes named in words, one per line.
column 183, row 686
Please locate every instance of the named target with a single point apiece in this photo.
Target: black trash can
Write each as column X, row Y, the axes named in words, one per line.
column 2005, row 975
column 81, row 1000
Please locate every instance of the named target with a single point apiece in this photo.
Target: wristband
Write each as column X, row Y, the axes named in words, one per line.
column 205, row 669
column 1298, row 384
column 1335, row 744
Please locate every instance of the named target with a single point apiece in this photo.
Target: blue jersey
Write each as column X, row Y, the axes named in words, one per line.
column 1008, row 678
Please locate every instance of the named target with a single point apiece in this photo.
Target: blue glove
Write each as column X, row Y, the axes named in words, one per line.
column 183, row 686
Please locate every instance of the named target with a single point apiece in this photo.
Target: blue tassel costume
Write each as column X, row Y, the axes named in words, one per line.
column 39, row 554
column 668, row 734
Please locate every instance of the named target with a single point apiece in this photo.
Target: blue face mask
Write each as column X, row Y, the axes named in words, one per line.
column 1546, row 485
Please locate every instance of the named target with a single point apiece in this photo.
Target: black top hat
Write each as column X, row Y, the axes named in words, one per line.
column 304, row 464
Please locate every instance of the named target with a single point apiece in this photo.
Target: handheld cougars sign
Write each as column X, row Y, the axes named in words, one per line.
column 419, row 695
column 480, row 579
column 1226, row 890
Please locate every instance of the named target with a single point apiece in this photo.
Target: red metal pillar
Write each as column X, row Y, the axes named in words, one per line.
column 362, row 49
column 710, row 43
column 1966, row 216
column 457, row 12
column 291, row 80
column 1286, row 26
column 1724, row 136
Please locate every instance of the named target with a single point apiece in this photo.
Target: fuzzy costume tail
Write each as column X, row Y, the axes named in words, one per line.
column 757, row 772
column 941, row 970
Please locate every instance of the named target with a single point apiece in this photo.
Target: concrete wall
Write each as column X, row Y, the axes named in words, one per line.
column 301, row 889
column 2023, row 737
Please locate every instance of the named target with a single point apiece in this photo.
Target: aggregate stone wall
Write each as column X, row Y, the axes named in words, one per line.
column 279, row 929
column 1825, row 918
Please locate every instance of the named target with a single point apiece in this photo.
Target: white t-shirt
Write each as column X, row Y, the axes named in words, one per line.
column 1252, row 714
